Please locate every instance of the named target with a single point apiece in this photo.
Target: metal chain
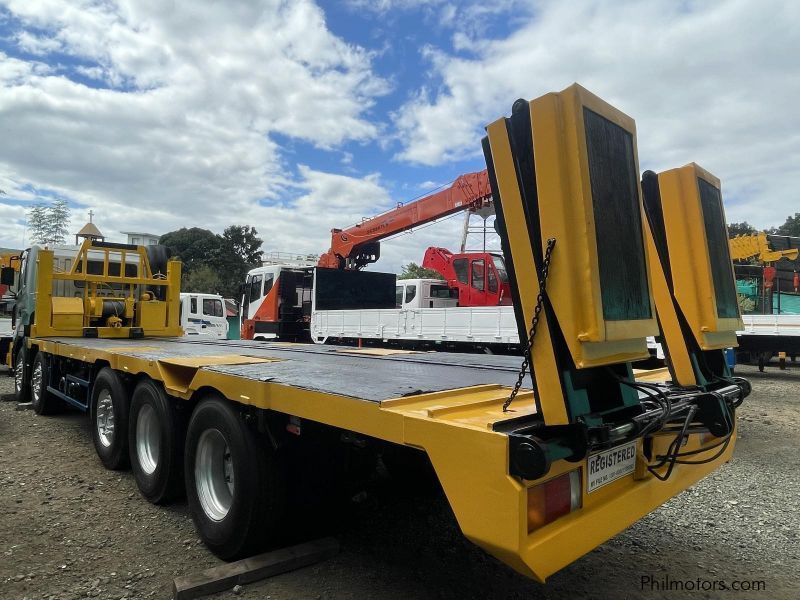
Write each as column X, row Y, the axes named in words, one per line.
column 526, row 360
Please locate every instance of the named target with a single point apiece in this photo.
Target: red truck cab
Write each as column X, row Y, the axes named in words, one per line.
column 480, row 277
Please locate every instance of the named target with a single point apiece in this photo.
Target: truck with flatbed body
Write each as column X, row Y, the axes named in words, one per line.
column 426, row 315
column 424, row 312
column 536, row 475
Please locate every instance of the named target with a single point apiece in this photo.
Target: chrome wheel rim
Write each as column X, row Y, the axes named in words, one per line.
column 36, row 382
column 19, row 380
column 148, row 439
column 18, row 377
column 104, row 418
column 213, row 474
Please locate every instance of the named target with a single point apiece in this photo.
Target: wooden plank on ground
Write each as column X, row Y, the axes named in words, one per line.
column 248, row 570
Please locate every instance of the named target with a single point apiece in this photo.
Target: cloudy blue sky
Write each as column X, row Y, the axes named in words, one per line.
column 298, row 116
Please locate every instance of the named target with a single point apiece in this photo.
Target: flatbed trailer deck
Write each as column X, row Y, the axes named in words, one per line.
column 368, row 375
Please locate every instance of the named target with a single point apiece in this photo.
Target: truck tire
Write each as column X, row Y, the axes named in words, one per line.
column 158, row 257
column 156, row 438
column 235, row 482
column 22, row 386
column 44, row 403
column 108, row 410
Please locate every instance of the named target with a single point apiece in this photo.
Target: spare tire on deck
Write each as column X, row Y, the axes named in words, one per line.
column 158, row 257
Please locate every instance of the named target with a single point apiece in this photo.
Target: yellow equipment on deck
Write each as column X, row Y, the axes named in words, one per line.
column 116, row 294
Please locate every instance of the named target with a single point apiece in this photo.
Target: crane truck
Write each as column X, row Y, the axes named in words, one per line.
column 278, row 299
column 536, row 475
column 777, row 330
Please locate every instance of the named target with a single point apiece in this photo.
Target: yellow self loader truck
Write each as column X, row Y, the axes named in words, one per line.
column 538, row 471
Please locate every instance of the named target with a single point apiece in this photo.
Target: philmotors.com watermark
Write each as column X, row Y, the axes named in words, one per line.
column 665, row 583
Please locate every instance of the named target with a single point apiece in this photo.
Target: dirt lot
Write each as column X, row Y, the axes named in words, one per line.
column 71, row 529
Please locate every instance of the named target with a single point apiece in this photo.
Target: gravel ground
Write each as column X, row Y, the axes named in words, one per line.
column 71, row 529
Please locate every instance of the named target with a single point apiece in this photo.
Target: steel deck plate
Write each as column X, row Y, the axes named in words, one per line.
column 327, row 368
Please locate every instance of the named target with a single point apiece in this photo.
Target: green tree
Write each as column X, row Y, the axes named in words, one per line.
column 743, row 228
column 58, row 222
column 228, row 257
column 194, row 246
column 202, row 279
column 240, row 251
column 414, row 271
column 243, row 241
column 37, row 223
column 790, row 227
column 49, row 224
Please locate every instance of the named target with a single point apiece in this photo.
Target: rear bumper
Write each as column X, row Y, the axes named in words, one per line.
column 555, row 546
column 472, row 463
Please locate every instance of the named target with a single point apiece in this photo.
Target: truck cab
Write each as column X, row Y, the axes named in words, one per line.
column 424, row 293
column 276, row 302
column 203, row 315
column 480, row 278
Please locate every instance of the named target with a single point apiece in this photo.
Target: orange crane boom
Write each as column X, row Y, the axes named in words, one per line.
column 359, row 245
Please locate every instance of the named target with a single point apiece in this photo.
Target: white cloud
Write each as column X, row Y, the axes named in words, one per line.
column 15, row 72
column 323, row 201
column 713, row 83
column 37, row 45
column 183, row 130
column 467, row 18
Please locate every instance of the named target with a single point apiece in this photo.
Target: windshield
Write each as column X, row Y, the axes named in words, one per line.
column 212, row 307
column 500, row 265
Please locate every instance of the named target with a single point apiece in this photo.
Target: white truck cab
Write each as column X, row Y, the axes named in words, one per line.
column 424, row 293
column 203, row 315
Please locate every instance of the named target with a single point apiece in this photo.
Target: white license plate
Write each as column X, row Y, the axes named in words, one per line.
column 609, row 465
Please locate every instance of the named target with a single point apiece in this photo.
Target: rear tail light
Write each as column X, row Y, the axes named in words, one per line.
column 553, row 499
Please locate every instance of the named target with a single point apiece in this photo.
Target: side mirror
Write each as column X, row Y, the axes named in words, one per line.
column 242, row 288
column 7, row 276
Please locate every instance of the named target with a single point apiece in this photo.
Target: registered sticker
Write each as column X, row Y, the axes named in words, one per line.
column 609, row 465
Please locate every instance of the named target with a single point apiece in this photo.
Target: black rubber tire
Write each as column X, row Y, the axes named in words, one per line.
column 158, row 257
column 44, row 403
column 258, row 505
column 113, row 455
column 22, row 385
column 164, row 482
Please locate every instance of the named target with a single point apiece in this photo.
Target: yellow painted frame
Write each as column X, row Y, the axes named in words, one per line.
column 693, row 283
column 563, row 185
column 551, row 396
column 46, row 326
column 456, row 429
